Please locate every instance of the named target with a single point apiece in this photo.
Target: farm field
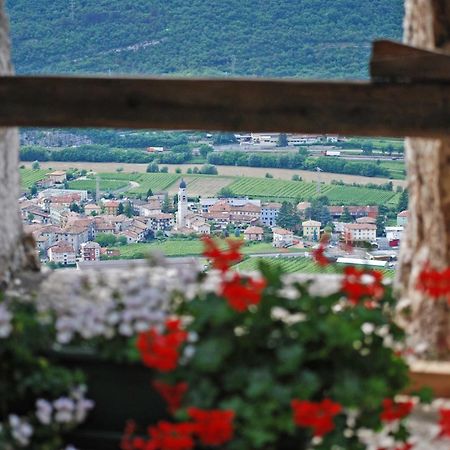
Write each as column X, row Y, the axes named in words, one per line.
column 350, row 195
column 29, row 176
column 105, row 185
column 204, row 185
column 259, row 172
column 396, row 169
column 297, row 264
column 184, row 247
column 269, row 188
column 157, row 182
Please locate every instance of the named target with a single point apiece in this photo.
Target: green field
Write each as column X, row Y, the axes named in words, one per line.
column 126, row 176
column 157, row 182
column 352, row 195
column 105, row 185
column 396, row 169
column 28, row 177
column 297, row 264
column 298, row 190
column 267, row 188
column 184, row 247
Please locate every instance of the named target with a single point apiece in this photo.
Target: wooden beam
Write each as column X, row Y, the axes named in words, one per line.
column 395, row 61
column 379, row 109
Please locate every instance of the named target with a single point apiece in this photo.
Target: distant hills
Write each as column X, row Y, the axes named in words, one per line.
column 275, row 38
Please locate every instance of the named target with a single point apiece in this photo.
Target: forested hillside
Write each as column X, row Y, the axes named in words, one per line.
column 282, row 38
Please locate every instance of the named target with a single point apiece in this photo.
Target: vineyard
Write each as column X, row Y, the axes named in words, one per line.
column 204, row 185
column 28, row 177
column 297, row 264
column 266, row 188
column 299, row 191
column 90, row 185
column 157, row 182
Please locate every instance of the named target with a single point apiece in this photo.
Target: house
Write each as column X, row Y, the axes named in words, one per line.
column 355, row 211
column 92, row 209
column 282, row 237
column 253, row 234
column 302, row 207
column 50, row 193
column 151, row 208
column 57, row 177
column 360, row 232
column 402, row 219
column 73, row 235
column 311, row 229
column 200, row 226
column 161, row 222
column 394, row 233
column 90, row 251
column 366, row 219
column 269, row 213
column 245, row 213
column 111, row 206
column 62, row 253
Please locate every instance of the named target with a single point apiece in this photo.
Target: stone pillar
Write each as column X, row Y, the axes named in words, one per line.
column 427, row 25
column 12, row 254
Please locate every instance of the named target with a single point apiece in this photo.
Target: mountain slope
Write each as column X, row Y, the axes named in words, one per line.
column 282, row 38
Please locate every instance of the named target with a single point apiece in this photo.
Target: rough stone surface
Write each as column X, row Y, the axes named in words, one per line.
column 427, row 240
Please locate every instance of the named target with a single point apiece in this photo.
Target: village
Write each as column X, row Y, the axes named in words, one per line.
column 70, row 226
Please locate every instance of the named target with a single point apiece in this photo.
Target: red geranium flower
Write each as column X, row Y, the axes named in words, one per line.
column 214, row 427
column 172, row 436
column 356, row 287
column 222, row 259
column 319, row 253
column 318, row 416
column 241, row 292
column 395, row 410
column 161, row 351
column 173, row 395
column 435, row 283
column 444, row 422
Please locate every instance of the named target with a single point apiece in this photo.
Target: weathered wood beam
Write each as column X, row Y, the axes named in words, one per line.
column 358, row 108
column 394, row 61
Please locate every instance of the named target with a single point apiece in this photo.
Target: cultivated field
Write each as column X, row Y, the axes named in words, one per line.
column 29, row 176
column 203, row 185
column 297, row 264
column 105, row 185
column 349, row 195
column 283, row 174
column 157, row 182
column 184, row 247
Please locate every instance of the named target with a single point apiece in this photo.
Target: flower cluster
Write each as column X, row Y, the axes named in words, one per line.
column 393, row 411
column 362, row 284
column 435, row 283
column 241, row 292
column 162, row 350
column 64, row 410
column 210, row 428
column 317, row 416
column 172, row 394
column 318, row 253
column 222, row 259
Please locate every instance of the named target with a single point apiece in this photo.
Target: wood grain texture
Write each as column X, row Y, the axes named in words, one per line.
column 383, row 109
column 394, row 61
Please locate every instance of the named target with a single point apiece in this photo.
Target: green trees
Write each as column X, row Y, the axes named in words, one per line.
column 120, row 209
column 205, row 150
column 403, row 201
column 208, row 169
column 166, row 206
column 33, row 190
column 226, row 192
column 128, row 210
column 152, row 168
column 288, row 217
column 106, row 239
column 319, row 210
column 74, row 207
column 36, row 165
column 346, row 216
column 224, row 138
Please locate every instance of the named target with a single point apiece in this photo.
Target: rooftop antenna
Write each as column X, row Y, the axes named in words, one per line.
column 318, row 170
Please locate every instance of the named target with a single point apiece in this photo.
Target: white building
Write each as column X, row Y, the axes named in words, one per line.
column 282, row 237
column 394, row 233
column 62, row 253
column 182, row 205
column 357, row 232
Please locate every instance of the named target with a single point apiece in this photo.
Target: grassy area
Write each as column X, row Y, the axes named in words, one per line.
column 184, row 247
column 105, row 185
column 297, row 264
column 28, row 177
column 155, row 181
column 268, row 188
column 396, row 169
column 298, row 190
